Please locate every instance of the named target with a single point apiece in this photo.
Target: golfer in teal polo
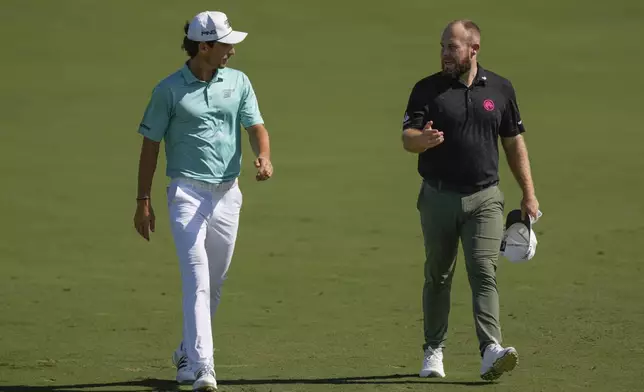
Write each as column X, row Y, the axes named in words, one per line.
column 198, row 112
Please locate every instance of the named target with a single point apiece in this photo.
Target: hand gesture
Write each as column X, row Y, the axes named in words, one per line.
column 431, row 137
column 264, row 168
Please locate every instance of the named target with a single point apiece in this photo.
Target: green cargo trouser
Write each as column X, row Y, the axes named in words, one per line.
column 477, row 219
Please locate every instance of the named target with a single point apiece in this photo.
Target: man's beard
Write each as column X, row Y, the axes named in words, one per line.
column 457, row 70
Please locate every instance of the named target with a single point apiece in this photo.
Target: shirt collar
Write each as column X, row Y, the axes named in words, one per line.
column 481, row 76
column 190, row 78
column 479, row 80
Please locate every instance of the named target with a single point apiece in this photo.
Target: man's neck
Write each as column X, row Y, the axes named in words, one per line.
column 201, row 70
column 468, row 77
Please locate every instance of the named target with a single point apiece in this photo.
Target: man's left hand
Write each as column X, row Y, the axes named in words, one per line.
column 264, row 168
column 529, row 206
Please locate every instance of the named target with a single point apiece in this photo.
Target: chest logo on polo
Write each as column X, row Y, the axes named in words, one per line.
column 488, row 105
column 228, row 92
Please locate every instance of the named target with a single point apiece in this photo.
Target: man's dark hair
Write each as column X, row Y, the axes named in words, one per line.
column 191, row 47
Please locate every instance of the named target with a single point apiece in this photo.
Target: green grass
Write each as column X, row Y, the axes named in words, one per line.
column 324, row 290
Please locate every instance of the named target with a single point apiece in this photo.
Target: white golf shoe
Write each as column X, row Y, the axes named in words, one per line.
column 205, row 380
column 433, row 363
column 184, row 373
column 498, row 360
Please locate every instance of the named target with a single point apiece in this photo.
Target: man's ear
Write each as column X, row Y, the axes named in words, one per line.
column 475, row 49
column 203, row 47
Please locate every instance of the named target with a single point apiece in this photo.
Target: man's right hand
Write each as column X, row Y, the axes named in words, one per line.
column 431, row 137
column 144, row 218
column 420, row 141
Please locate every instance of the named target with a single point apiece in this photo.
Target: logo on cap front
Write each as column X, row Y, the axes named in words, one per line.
column 488, row 105
column 209, row 32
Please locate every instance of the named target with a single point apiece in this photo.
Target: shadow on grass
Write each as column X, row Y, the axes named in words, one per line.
column 152, row 384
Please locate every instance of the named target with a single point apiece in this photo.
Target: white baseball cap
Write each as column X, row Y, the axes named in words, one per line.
column 213, row 26
column 519, row 242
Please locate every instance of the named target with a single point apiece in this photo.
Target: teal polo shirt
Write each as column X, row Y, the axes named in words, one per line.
column 200, row 123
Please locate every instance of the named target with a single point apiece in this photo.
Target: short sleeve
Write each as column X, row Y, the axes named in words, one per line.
column 249, row 107
column 157, row 114
column 511, row 123
column 415, row 112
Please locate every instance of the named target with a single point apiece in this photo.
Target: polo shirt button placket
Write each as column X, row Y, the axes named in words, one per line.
column 205, row 96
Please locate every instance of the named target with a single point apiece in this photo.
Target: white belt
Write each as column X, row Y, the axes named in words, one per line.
column 219, row 187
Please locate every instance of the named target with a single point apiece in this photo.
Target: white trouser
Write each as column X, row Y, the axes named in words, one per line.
column 204, row 219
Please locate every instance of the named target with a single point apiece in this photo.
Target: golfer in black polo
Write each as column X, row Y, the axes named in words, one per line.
column 453, row 120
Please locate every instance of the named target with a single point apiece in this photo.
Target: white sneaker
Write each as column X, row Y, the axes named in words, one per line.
column 184, row 372
column 205, row 380
column 498, row 360
column 433, row 363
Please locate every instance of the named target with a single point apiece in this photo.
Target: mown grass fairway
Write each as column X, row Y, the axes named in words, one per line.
column 325, row 287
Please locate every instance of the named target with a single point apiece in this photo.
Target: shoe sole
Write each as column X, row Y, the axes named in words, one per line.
column 431, row 374
column 502, row 365
column 205, row 388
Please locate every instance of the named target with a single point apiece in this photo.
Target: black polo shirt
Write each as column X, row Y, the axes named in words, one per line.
column 471, row 119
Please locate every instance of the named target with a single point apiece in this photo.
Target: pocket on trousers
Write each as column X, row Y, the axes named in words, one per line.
column 238, row 198
column 187, row 208
column 170, row 193
column 421, row 193
column 500, row 197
